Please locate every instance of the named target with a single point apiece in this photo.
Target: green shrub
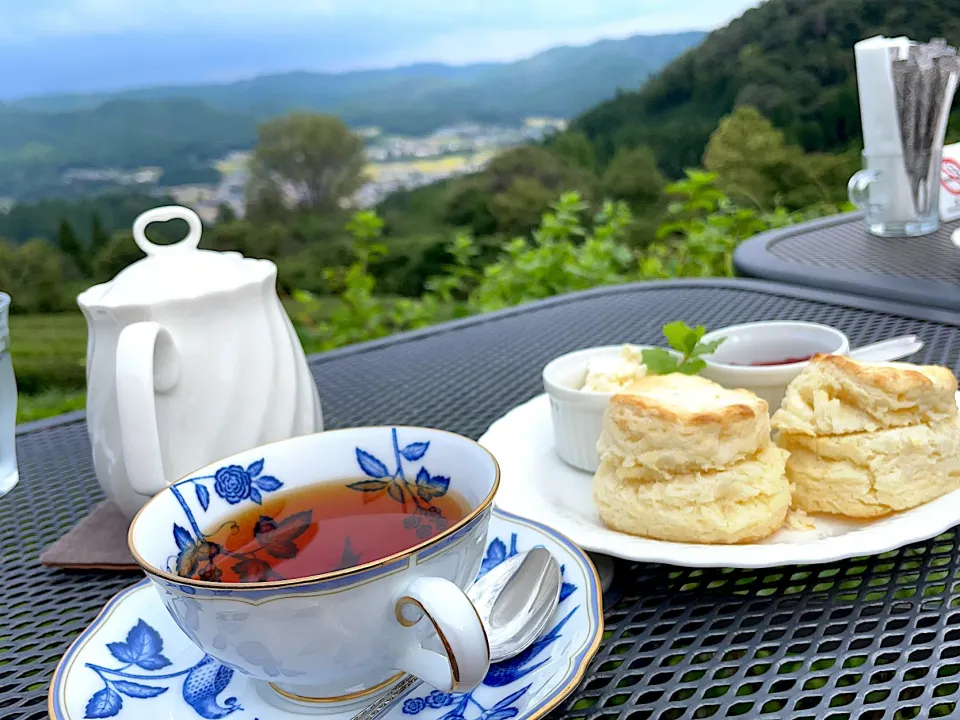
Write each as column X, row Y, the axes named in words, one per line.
column 359, row 282
column 567, row 252
column 560, row 256
column 703, row 228
column 33, row 275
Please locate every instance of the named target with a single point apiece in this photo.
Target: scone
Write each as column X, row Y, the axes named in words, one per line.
column 837, row 395
column 680, row 424
column 686, row 460
column 869, row 439
column 744, row 502
column 876, row 473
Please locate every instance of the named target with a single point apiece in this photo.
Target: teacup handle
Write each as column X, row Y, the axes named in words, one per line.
column 439, row 601
column 137, row 381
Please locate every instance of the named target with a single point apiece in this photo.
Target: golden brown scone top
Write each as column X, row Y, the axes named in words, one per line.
column 689, row 400
column 895, row 378
column 836, row 395
column 681, row 424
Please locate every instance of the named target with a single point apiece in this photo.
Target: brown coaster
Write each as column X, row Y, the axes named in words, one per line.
column 98, row 542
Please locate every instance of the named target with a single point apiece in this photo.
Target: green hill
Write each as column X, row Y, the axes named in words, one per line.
column 182, row 129
column 791, row 59
column 115, row 211
column 560, row 82
column 180, row 135
column 270, row 95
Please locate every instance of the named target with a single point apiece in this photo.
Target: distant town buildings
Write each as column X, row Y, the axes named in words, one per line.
column 142, row 176
column 396, row 163
column 404, row 163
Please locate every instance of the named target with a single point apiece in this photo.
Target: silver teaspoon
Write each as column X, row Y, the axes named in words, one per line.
column 515, row 601
column 516, row 605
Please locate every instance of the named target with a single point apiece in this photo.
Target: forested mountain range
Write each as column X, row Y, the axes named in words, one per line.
column 559, row 82
column 182, row 129
column 182, row 136
column 791, row 59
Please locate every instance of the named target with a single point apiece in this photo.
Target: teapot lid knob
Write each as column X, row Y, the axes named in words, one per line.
column 162, row 214
column 181, row 271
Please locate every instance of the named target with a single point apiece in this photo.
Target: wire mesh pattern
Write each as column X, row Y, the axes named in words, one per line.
column 848, row 246
column 866, row 639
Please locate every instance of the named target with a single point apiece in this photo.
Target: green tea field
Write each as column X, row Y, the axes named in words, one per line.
column 49, row 354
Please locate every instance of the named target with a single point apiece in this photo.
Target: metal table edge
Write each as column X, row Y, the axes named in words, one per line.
column 753, row 259
column 793, row 290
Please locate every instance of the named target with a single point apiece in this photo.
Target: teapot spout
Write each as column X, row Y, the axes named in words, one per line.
column 92, row 297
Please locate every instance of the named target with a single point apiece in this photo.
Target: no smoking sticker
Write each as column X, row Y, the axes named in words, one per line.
column 950, row 176
column 950, row 183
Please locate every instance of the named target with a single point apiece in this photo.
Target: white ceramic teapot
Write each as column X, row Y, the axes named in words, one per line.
column 190, row 358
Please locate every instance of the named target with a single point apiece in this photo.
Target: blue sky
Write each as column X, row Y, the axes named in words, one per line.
column 82, row 45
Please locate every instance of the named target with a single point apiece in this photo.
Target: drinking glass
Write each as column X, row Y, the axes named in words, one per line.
column 899, row 194
column 8, row 405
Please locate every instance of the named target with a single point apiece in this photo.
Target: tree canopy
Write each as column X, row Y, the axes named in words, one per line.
column 633, row 176
column 311, row 161
column 790, row 59
column 756, row 166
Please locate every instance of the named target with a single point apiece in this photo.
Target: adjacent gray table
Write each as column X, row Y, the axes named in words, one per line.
column 838, row 254
column 867, row 639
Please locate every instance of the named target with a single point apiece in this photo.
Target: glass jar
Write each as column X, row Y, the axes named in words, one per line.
column 8, row 405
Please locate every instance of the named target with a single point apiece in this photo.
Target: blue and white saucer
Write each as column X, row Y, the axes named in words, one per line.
column 133, row 662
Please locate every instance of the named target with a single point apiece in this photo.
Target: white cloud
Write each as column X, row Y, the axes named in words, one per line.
column 58, row 18
column 23, row 21
column 28, row 21
column 465, row 46
column 84, row 45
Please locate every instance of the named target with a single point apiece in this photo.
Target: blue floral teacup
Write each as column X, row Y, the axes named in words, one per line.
column 345, row 636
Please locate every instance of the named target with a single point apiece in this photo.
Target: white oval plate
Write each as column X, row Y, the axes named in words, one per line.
column 537, row 484
column 171, row 678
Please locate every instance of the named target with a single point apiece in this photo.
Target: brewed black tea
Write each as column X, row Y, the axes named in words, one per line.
column 319, row 529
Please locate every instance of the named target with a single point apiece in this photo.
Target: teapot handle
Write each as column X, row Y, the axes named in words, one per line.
column 137, row 382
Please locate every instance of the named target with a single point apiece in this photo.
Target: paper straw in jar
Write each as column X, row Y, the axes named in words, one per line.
column 879, row 119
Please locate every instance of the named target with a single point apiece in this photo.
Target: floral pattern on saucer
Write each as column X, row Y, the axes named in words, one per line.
column 134, row 662
column 143, row 649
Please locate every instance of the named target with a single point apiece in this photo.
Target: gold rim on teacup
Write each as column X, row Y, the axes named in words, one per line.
column 151, row 569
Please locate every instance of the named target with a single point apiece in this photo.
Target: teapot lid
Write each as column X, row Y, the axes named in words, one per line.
column 177, row 271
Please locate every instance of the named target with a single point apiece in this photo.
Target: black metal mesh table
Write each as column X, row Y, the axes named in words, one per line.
column 865, row 639
column 838, row 254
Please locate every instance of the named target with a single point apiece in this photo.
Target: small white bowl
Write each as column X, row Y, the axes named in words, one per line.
column 762, row 342
column 578, row 414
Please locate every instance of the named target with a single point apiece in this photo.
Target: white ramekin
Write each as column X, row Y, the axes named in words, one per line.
column 768, row 342
column 577, row 414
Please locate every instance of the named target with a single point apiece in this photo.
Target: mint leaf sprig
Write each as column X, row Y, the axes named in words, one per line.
column 685, row 340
